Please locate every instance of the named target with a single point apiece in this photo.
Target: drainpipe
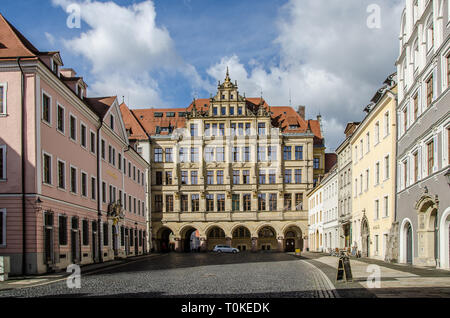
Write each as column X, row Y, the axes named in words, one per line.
column 99, row 202
column 22, row 124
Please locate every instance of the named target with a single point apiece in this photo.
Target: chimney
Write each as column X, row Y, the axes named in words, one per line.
column 301, row 111
column 68, row 72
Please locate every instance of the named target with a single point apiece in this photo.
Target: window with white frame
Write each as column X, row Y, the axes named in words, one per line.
column 73, row 127
column 84, row 184
column 386, row 206
column 2, row 227
column 386, row 167
column 405, row 173
column 73, row 180
column 377, row 209
column 3, row 89
column 93, row 188
column 93, row 142
column 60, row 119
column 386, row 124
column 415, row 56
column 377, row 132
column 61, row 174
column 83, row 135
column 46, row 108
column 3, row 162
column 430, row 33
column 47, row 168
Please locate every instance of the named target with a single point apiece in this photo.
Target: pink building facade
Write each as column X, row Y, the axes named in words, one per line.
column 72, row 187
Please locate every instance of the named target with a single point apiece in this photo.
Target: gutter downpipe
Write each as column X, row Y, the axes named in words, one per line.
column 99, row 191
column 22, row 138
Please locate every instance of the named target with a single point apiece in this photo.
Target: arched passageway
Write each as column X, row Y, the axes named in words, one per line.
column 293, row 239
column 242, row 239
column 165, row 241
column 267, row 239
column 190, row 240
column 365, row 238
column 216, row 236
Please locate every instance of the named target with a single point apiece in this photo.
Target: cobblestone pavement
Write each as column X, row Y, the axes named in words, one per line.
column 396, row 281
column 196, row 275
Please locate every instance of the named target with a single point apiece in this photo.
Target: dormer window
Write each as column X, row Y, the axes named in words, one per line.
column 54, row 67
column 223, row 96
column 159, row 115
column 231, row 96
column 293, row 127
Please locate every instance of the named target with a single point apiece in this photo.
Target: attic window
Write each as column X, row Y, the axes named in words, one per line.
column 293, row 127
column 164, row 129
column 159, row 114
column 181, row 114
column 170, row 114
column 2, row 46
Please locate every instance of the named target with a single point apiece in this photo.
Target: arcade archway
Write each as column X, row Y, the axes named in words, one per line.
column 242, row 239
column 267, row 239
column 215, row 236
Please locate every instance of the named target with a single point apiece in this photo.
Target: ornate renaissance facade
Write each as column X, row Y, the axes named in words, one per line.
column 229, row 170
column 423, row 203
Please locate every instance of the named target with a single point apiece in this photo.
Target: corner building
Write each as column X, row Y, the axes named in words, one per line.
column 72, row 187
column 230, row 170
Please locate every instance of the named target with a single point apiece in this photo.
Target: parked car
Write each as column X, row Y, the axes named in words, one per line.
column 225, row 249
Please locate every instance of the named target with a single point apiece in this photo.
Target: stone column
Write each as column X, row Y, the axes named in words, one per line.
column 281, row 244
column 203, row 244
column 254, row 244
column 178, row 246
column 228, row 240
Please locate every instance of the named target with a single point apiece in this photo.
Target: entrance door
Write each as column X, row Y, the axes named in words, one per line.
column 75, row 246
column 136, row 246
column 409, row 251
column 94, row 242
column 114, row 238
column 290, row 245
column 48, row 237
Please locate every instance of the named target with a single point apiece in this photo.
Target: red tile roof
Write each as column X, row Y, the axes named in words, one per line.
column 330, row 161
column 13, row 43
column 284, row 117
column 132, row 125
column 100, row 105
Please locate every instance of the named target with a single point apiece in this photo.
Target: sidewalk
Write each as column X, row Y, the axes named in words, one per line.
column 395, row 280
column 34, row 280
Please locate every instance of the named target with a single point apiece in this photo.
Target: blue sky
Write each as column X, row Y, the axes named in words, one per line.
column 162, row 53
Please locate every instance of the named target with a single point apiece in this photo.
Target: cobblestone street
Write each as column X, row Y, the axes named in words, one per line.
column 195, row 275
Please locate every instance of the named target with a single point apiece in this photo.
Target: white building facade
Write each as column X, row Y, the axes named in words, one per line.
column 330, row 211
column 315, row 217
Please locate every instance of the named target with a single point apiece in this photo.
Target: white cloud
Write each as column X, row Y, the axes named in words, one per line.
column 329, row 60
column 125, row 46
column 50, row 38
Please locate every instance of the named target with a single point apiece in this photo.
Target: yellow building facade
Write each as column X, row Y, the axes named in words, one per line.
column 373, row 185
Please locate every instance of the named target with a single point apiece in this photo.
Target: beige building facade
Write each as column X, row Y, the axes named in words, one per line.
column 373, row 147
column 230, row 170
